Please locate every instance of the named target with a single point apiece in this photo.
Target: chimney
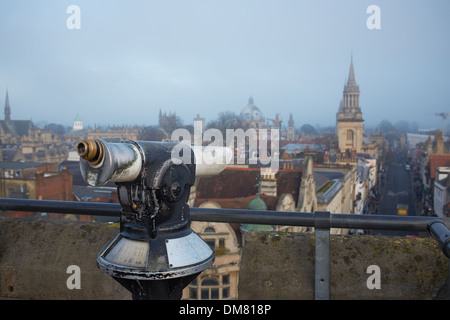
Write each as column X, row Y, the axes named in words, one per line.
column 268, row 183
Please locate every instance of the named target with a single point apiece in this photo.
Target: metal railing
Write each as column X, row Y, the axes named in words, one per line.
column 306, row 219
column 321, row 221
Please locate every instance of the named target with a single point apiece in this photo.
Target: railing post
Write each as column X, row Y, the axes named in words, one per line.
column 322, row 256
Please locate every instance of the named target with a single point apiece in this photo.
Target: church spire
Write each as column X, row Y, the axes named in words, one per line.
column 7, row 108
column 349, row 107
column 349, row 121
column 351, row 75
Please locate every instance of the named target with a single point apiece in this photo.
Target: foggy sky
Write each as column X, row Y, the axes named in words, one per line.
column 132, row 58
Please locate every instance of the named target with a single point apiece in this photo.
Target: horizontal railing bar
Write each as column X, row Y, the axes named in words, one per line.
column 68, row 207
column 337, row 220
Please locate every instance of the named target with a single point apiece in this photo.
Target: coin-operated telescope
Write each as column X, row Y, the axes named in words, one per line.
column 441, row 234
column 156, row 254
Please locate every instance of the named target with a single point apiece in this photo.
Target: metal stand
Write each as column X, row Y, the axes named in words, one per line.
column 156, row 254
column 171, row 289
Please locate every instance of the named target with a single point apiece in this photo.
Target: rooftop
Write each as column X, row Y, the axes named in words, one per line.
column 20, row 165
column 438, row 160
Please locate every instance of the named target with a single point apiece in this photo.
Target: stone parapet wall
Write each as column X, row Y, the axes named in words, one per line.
column 281, row 266
column 36, row 253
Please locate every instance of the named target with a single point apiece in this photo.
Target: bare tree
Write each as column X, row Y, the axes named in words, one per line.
column 226, row 120
column 152, row 133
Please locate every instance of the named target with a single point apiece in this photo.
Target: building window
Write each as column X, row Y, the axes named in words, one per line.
column 221, row 249
column 350, row 135
column 226, row 293
column 210, row 288
column 211, row 243
column 218, row 245
column 193, row 293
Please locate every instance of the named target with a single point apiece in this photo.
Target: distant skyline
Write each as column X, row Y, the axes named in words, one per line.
column 130, row 59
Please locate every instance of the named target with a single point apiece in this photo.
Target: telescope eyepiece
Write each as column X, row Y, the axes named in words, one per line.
column 91, row 151
column 82, row 149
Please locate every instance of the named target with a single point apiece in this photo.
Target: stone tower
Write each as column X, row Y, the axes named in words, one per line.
column 349, row 121
column 290, row 129
column 77, row 123
column 7, row 108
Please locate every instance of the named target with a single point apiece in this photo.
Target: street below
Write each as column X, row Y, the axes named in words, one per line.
column 396, row 191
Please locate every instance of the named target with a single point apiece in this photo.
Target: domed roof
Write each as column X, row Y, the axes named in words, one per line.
column 256, row 204
column 251, row 111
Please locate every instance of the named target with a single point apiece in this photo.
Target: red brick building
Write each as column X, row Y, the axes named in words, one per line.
column 30, row 180
column 54, row 185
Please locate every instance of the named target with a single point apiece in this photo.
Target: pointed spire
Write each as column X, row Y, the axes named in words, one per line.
column 7, row 108
column 351, row 75
column 291, row 121
column 349, row 106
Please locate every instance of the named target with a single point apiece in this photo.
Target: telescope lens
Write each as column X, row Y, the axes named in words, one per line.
column 91, row 151
column 81, row 149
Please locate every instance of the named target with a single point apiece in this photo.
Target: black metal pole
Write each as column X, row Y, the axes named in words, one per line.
column 337, row 220
column 68, row 207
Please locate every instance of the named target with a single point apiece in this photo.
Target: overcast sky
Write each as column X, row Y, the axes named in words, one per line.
column 129, row 59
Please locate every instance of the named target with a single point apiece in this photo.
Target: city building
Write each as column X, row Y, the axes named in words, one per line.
column 350, row 123
column 335, row 188
column 440, row 193
column 77, row 123
column 114, row 133
column 167, row 123
column 257, row 191
column 111, row 134
column 251, row 116
column 433, row 155
column 77, row 133
column 31, row 180
column 22, row 137
column 290, row 129
column 221, row 280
